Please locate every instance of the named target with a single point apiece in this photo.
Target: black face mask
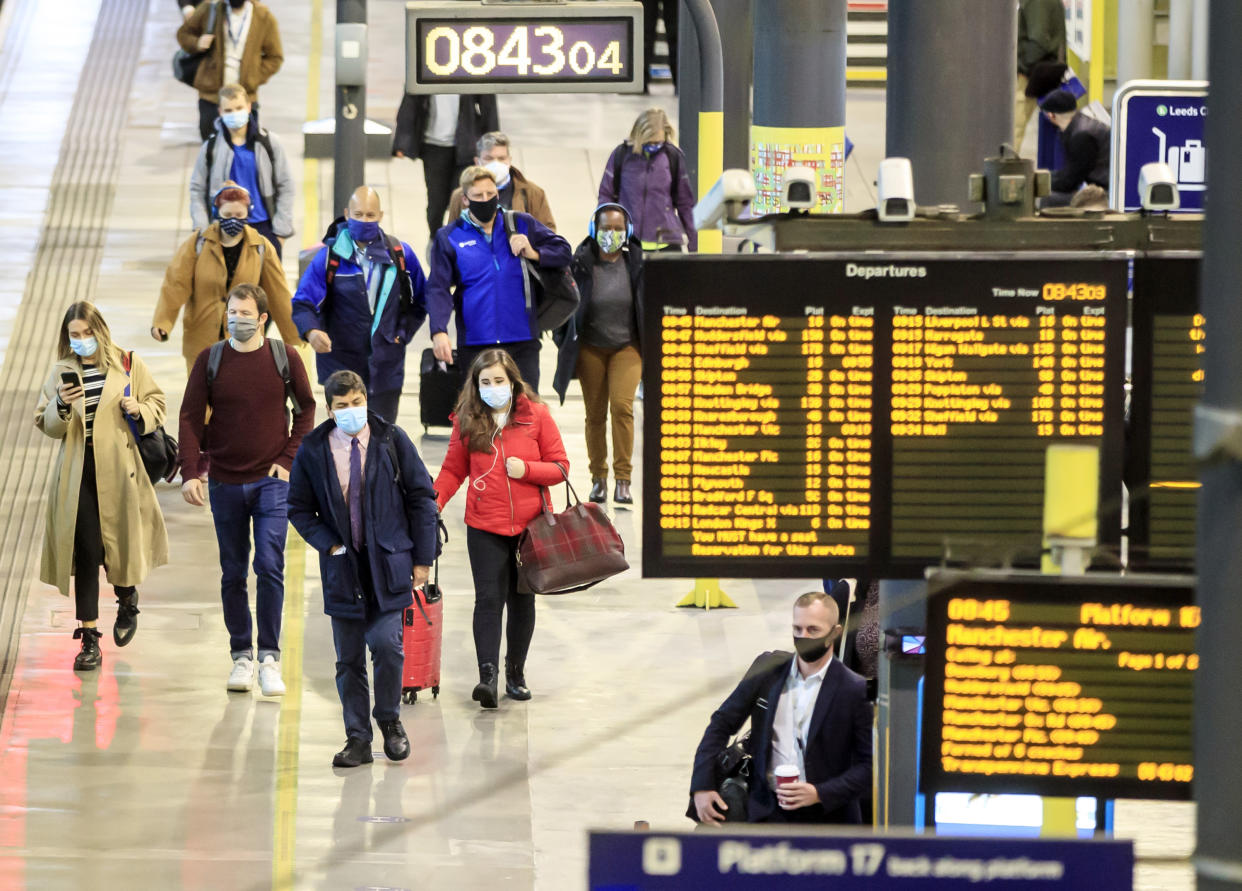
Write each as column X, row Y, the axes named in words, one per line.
column 812, row 649
column 237, row 4
column 484, row 211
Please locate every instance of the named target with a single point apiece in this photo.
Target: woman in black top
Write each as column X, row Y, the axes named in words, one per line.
column 601, row 345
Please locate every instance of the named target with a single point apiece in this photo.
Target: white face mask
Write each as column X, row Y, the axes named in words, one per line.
column 500, row 170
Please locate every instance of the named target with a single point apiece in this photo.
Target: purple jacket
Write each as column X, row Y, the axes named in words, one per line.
column 649, row 194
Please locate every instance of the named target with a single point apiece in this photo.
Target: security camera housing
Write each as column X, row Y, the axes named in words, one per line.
column 1158, row 187
column 799, row 190
column 895, row 188
column 727, row 199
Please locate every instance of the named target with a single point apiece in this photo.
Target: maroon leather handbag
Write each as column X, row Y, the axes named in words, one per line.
column 569, row 551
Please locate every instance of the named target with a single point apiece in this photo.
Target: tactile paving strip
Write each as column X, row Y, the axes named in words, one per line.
column 66, row 268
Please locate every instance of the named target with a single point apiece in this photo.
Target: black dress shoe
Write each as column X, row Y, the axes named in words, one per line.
column 89, row 658
column 621, row 494
column 599, row 491
column 357, row 751
column 485, row 690
column 126, row 618
column 515, row 682
column 396, row 743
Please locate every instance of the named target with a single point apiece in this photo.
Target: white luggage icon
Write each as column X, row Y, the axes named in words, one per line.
column 1188, row 162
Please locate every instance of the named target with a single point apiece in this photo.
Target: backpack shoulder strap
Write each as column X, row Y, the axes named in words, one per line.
column 617, row 162
column 674, row 166
column 395, row 250
column 213, row 365
column 265, row 139
column 262, row 250
column 391, row 445
column 281, row 356
column 211, row 157
column 198, row 243
column 329, row 271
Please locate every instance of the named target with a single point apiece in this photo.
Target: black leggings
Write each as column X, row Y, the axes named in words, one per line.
column 88, row 549
column 493, row 563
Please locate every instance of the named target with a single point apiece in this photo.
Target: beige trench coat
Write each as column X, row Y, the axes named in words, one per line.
column 134, row 538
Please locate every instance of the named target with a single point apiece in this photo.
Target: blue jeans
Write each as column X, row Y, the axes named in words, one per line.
column 234, row 508
column 381, row 631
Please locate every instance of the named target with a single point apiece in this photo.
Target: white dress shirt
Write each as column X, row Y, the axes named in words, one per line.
column 236, row 30
column 792, row 721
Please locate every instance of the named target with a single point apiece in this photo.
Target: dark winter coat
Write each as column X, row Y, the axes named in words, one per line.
column 399, row 516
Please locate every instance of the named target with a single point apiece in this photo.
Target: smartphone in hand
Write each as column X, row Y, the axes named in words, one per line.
column 69, row 379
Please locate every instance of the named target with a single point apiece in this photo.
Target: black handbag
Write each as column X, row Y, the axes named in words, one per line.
column 185, row 64
column 552, row 292
column 733, row 767
column 157, row 449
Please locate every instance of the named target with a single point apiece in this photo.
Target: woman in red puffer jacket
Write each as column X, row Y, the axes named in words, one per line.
column 506, row 442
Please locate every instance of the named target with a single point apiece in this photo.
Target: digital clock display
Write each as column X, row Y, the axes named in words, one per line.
column 482, row 49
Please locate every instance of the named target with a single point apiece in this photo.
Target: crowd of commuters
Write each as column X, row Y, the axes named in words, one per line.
column 354, row 487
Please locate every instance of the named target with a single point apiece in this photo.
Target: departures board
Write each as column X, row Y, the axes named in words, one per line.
column 1059, row 686
column 1169, row 340
column 819, row 415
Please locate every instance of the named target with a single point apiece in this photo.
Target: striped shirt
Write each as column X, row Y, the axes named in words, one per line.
column 92, row 384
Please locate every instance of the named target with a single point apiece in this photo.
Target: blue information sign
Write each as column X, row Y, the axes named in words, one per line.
column 1159, row 121
column 722, row 861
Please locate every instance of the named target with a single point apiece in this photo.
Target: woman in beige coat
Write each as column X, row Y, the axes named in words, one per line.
column 101, row 503
column 211, row 263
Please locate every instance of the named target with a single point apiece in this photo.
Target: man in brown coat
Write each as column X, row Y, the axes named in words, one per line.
column 207, row 266
column 516, row 191
column 244, row 48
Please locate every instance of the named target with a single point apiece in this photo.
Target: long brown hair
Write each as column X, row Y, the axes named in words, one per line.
column 474, row 417
column 85, row 311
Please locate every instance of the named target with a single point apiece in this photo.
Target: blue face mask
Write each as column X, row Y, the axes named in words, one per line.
column 362, row 231
column 235, row 120
column 232, row 227
column 496, row 397
column 85, row 347
column 351, row 420
column 652, row 147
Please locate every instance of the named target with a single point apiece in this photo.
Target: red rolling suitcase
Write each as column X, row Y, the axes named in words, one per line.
column 421, row 634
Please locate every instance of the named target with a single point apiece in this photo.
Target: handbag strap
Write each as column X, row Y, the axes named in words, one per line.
column 569, row 490
column 127, row 362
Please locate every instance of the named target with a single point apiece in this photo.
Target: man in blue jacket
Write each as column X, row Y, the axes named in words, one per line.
column 361, row 301
column 360, row 496
column 479, row 276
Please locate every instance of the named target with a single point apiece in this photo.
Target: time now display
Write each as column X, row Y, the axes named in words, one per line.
column 503, row 51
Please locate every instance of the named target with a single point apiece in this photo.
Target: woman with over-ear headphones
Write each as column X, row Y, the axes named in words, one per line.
column 601, row 345
column 505, row 441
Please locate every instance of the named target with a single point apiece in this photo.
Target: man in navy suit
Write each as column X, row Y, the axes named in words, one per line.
column 808, row 711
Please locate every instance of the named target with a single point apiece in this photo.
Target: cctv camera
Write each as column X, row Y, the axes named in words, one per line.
column 1158, row 187
column 895, row 185
column 798, row 188
column 727, row 200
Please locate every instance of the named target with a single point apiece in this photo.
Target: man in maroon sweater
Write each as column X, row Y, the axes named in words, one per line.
column 246, row 461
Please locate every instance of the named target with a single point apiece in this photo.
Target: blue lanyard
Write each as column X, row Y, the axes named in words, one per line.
column 241, row 29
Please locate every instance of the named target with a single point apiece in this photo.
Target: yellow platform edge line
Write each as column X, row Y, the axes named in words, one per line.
column 285, row 810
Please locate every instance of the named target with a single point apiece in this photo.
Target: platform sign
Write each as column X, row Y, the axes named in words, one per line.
column 1155, row 120
column 581, row 46
column 810, row 415
column 1170, row 337
column 1059, row 686
column 844, row 861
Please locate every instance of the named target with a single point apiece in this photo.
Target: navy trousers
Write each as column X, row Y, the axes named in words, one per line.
column 381, row 632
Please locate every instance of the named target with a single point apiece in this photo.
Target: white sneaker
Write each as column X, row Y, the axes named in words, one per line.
column 269, row 677
column 241, row 678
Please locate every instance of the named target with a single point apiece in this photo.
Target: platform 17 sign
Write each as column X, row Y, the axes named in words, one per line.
column 462, row 47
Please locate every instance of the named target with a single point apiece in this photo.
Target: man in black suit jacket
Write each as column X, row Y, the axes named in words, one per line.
column 808, row 710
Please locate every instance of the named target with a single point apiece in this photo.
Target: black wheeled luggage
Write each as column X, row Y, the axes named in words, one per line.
column 438, row 387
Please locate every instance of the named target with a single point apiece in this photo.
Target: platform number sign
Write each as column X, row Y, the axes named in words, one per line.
column 463, row 47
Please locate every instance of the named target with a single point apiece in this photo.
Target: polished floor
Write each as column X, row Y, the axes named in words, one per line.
column 148, row 774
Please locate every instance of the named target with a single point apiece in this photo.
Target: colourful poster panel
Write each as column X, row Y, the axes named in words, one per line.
column 774, row 149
